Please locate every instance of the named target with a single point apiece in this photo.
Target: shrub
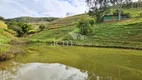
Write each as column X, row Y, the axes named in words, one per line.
column 25, row 27
column 42, row 27
column 97, row 15
column 85, row 26
column 91, row 21
column 20, row 28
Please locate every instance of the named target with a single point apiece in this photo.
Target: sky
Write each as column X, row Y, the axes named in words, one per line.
column 41, row 8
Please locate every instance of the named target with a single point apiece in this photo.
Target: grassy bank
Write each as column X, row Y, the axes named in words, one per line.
column 8, row 52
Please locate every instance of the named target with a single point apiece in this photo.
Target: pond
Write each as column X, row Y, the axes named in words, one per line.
column 42, row 62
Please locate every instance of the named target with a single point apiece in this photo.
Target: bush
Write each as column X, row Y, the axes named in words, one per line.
column 91, row 21
column 41, row 27
column 20, row 28
column 97, row 15
column 85, row 25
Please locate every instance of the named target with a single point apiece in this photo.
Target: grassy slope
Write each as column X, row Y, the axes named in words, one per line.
column 3, row 25
column 127, row 33
column 65, row 22
column 4, row 36
column 62, row 33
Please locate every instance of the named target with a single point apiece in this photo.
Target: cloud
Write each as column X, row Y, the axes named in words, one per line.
column 40, row 8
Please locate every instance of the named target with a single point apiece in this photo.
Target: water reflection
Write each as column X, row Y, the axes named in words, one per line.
column 40, row 71
column 37, row 71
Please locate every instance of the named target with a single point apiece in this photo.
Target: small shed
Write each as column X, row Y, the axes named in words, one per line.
column 108, row 18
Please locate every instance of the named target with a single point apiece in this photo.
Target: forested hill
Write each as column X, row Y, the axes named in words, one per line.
column 32, row 19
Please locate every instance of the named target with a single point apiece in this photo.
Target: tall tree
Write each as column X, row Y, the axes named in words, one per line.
column 97, row 8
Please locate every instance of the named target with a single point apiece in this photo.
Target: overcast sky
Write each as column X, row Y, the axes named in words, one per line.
column 41, row 8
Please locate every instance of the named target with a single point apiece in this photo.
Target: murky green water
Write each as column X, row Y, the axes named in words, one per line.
column 73, row 63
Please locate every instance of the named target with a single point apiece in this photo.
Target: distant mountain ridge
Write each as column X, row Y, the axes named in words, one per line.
column 32, row 19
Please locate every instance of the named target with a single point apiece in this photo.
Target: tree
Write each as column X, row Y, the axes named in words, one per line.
column 41, row 27
column 119, row 4
column 85, row 26
column 20, row 28
column 98, row 8
column 25, row 27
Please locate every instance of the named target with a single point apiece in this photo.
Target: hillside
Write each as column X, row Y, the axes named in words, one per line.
column 65, row 22
column 32, row 19
column 3, row 25
column 4, row 35
column 126, row 33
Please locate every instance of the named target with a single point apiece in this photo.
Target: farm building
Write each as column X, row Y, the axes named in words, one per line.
column 108, row 18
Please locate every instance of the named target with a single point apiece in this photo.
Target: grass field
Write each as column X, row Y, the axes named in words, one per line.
column 5, row 37
column 117, row 63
